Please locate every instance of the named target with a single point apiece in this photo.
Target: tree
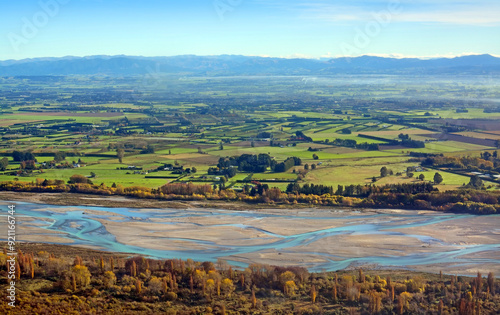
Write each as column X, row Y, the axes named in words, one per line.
column 253, row 300
column 193, row 169
column 81, row 275
column 4, row 163
column 138, row 286
column 315, row 156
column 210, row 285
column 227, row 286
column 79, row 179
column 313, row 166
column 109, row 279
column 221, row 146
column 148, row 150
column 59, row 156
column 476, row 182
column 438, row 179
column 384, row 172
column 421, row 177
column 155, row 285
column 120, row 153
column 19, row 156
column 491, row 282
column 314, row 293
column 306, row 166
column 290, row 288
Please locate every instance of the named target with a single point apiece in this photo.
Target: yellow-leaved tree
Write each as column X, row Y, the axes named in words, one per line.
column 227, row 286
column 82, row 275
column 109, row 279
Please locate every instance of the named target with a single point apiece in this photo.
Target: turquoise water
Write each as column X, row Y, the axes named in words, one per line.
column 81, row 227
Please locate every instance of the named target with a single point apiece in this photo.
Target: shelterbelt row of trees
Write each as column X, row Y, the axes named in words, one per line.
column 98, row 283
column 419, row 196
column 252, row 163
column 485, row 162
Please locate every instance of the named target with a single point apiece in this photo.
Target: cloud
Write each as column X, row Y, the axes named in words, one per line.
column 479, row 13
column 401, row 56
column 297, row 56
column 467, row 17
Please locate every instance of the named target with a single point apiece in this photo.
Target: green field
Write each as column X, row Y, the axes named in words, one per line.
column 183, row 122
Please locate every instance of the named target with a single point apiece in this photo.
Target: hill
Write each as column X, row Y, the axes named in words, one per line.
column 246, row 65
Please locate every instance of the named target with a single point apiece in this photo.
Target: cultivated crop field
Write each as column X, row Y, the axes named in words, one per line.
column 179, row 131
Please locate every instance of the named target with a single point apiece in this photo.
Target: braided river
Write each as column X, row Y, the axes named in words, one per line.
column 319, row 239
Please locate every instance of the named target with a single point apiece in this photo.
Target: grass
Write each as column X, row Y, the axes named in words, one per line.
column 355, row 174
column 474, row 113
column 350, row 174
column 450, row 146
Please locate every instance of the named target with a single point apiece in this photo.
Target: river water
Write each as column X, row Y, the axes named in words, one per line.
column 83, row 225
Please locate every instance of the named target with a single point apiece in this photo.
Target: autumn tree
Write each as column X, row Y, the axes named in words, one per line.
column 361, row 276
column 227, row 286
column 290, row 288
column 210, row 285
column 491, row 283
column 314, row 293
column 79, row 179
column 253, row 299
column 155, row 285
column 109, row 279
column 138, row 286
column 334, row 293
column 287, row 276
column 81, row 274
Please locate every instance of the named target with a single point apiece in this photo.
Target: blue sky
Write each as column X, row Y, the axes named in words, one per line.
column 278, row 28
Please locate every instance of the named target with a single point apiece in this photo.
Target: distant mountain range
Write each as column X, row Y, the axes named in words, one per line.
column 246, row 65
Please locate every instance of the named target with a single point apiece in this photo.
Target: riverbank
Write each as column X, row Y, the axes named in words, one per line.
column 77, row 199
column 72, row 199
column 395, row 196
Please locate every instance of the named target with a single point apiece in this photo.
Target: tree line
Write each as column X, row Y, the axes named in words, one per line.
column 86, row 281
column 419, row 196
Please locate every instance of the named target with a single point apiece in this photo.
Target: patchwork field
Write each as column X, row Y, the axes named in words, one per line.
column 181, row 132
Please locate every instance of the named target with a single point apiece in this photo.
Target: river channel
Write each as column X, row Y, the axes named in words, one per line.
column 318, row 239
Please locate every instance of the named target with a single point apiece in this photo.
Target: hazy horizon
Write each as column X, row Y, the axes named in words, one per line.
column 290, row 57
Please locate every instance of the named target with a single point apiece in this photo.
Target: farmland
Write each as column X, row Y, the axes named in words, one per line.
column 177, row 129
column 284, row 150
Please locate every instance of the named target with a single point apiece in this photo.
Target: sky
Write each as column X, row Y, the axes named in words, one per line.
column 276, row 28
